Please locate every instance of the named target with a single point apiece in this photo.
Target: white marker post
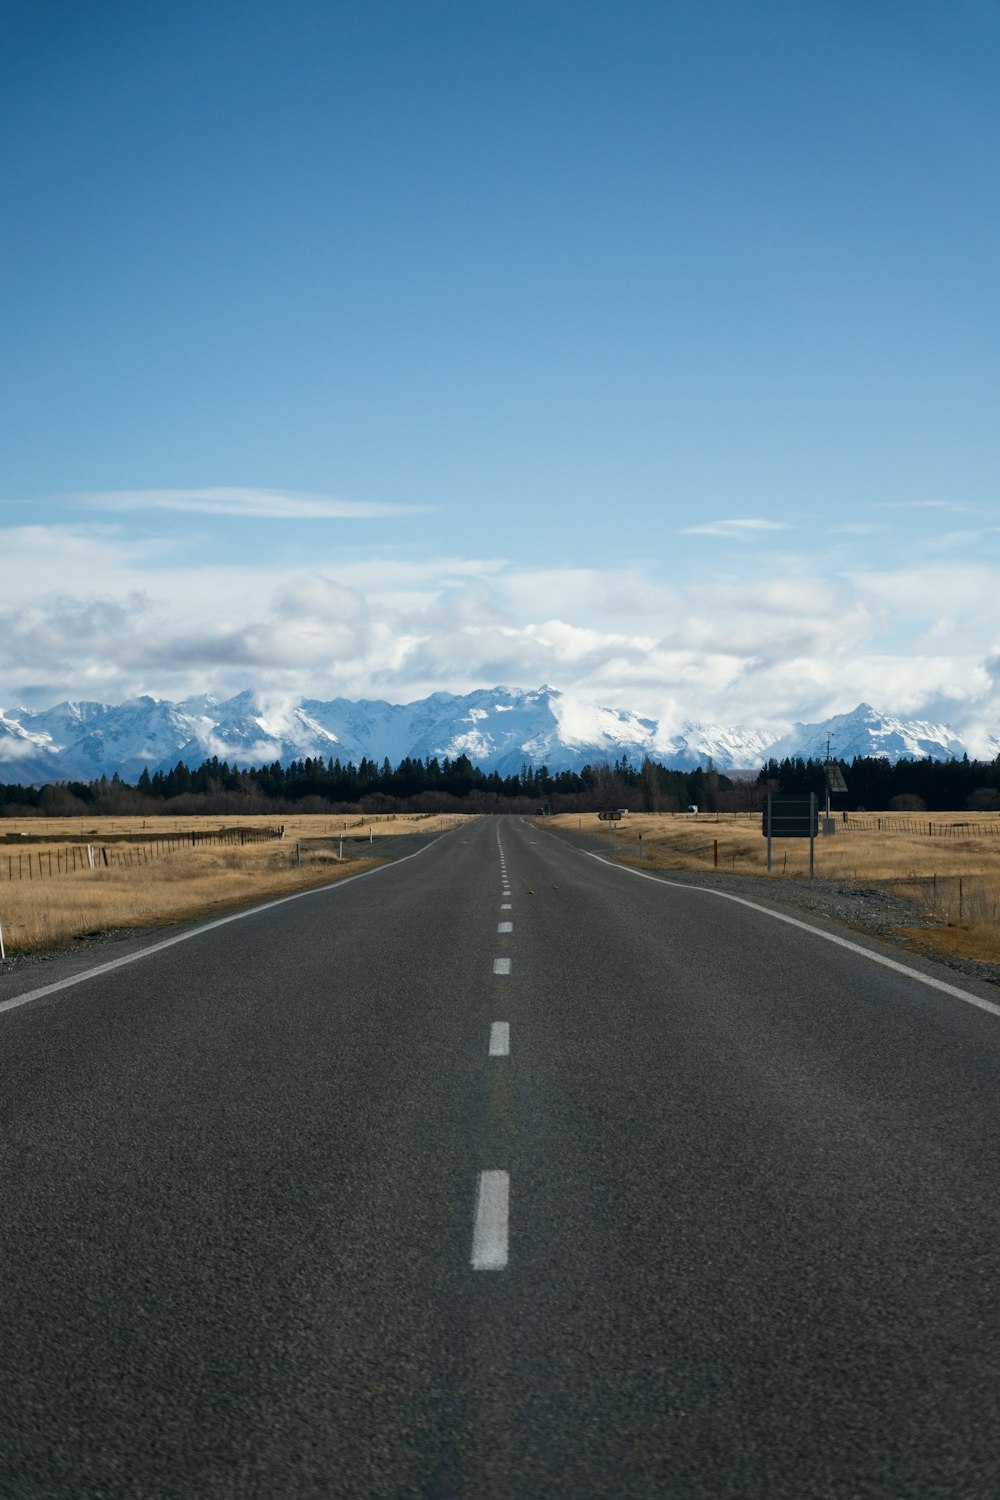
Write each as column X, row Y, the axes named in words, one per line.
column 2, row 953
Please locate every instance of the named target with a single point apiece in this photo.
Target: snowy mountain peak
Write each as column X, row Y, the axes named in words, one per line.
column 864, row 731
column 500, row 728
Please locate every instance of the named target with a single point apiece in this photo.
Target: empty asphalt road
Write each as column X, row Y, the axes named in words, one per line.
column 500, row 1172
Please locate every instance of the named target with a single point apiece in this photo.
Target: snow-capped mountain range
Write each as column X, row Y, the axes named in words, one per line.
column 498, row 728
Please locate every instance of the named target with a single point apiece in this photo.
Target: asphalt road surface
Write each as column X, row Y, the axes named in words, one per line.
column 500, row 1172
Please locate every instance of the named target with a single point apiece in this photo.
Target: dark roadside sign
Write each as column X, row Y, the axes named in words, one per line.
column 790, row 817
column 787, row 816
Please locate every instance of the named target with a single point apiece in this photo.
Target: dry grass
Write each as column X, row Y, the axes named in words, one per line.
column 952, row 875
column 146, row 884
column 308, row 826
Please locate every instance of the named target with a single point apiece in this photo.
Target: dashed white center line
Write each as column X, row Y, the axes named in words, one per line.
column 489, row 1236
column 490, row 1232
column 500, row 1039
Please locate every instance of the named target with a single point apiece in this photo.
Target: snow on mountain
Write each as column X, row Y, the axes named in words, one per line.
column 696, row 744
column 499, row 728
column 98, row 739
column 864, row 731
column 27, row 757
column 243, row 730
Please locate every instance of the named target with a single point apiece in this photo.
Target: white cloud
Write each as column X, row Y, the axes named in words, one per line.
column 961, row 541
column 623, row 592
column 281, row 505
column 311, row 596
column 41, row 557
column 89, row 612
column 956, row 507
column 803, row 594
column 739, row 530
column 964, row 589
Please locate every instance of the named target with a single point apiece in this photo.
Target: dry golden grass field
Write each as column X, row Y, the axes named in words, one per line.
column 62, row 879
column 948, row 864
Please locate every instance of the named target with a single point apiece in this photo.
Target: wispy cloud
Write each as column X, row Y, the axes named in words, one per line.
column 955, row 507
column 746, row 529
column 279, row 505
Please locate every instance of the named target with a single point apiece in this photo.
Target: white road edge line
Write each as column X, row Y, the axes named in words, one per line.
column 829, row 937
column 183, row 937
column 500, row 1039
column 490, row 1234
column 501, row 966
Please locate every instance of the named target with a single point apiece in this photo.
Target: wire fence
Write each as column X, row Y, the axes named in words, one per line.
column 893, row 823
column 68, row 859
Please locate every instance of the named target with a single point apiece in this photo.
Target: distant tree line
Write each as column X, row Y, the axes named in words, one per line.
column 442, row 785
column 875, row 784
column 432, row 785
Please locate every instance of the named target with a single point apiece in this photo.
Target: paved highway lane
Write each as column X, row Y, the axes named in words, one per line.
column 500, row 1172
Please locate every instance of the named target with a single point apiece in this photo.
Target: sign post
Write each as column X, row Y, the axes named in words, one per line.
column 791, row 817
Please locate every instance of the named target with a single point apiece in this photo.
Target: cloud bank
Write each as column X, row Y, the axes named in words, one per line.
column 257, row 504
column 117, row 617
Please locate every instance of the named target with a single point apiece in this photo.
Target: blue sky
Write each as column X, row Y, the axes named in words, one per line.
column 648, row 350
